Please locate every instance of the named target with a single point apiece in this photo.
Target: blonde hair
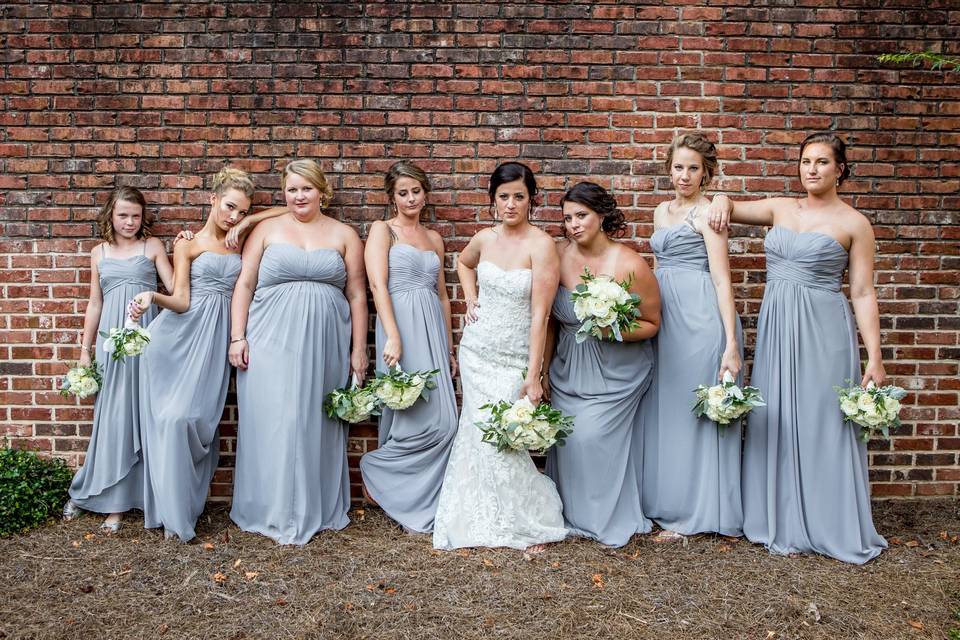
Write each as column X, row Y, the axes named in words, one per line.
column 231, row 178
column 105, row 217
column 310, row 171
column 699, row 143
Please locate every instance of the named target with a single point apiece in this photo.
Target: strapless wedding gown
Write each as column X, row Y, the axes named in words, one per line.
column 491, row 498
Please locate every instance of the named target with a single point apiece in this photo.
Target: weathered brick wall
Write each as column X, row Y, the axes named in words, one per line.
column 158, row 95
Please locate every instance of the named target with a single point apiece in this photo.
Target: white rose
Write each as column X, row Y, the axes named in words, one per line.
column 581, row 308
column 521, row 412
column 865, row 402
column 849, row 406
column 892, row 406
column 608, row 290
column 74, row 376
column 87, row 387
column 716, row 394
column 131, row 349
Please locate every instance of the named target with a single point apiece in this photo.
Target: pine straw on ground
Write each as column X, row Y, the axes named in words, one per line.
column 372, row 580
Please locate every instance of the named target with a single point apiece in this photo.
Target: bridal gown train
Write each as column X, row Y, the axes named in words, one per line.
column 491, row 498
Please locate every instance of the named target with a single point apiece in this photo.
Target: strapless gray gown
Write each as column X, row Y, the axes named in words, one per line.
column 111, row 478
column 691, row 468
column 405, row 473
column 597, row 471
column 184, row 376
column 805, row 485
column 291, row 477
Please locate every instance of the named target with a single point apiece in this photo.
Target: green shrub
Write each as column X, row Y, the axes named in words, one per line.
column 32, row 489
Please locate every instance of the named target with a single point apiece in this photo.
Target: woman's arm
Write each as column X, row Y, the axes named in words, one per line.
column 356, row 292
column 235, row 236
column 239, row 353
column 158, row 253
column 179, row 300
column 437, row 241
column 545, row 265
column 723, row 210
column 644, row 285
column 376, row 258
column 719, row 261
column 864, row 299
column 467, row 263
column 91, row 317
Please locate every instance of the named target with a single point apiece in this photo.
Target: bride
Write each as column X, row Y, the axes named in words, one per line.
column 489, row 498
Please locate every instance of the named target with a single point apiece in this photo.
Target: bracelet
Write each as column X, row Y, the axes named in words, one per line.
column 240, row 339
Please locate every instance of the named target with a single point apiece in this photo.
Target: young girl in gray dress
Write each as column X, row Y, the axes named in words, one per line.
column 691, row 467
column 600, row 382
column 404, row 263
column 804, row 479
column 111, row 478
column 299, row 329
column 184, row 372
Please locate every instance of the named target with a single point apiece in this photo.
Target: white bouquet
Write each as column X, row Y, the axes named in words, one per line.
column 726, row 402
column 875, row 409
column 601, row 302
column 131, row 340
column 353, row 404
column 398, row 389
column 521, row 426
column 81, row 381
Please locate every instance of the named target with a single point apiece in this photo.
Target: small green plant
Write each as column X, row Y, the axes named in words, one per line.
column 954, row 634
column 32, row 489
column 917, row 58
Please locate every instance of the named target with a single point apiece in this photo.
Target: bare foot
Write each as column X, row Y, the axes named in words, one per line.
column 535, row 549
column 367, row 497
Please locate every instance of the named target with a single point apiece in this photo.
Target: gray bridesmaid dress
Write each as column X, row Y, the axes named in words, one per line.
column 111, row 478
column 405, row 473
column 597, row 471
column 291, row 476
column 183, row 385
column 805, row 485
column 691, row 468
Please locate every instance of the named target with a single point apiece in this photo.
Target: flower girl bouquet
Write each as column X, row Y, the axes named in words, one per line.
column 399, row 389
column 353, row 404
column 131, row 340
column 875, row 409
column 726, row 402
column 600, row 302
column 81, row 381
column 522, row 426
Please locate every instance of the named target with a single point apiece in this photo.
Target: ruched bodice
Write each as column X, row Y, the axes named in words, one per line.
column 288, row 264
column 503, row 325
column 138, row 272
column 412, row 268
column 808, row 258
column 679, row 247
column 214, row 274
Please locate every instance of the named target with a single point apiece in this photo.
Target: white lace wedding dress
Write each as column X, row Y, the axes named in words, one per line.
column 489, row 498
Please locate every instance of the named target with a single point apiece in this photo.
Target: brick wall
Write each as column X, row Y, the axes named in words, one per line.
column 158, row 95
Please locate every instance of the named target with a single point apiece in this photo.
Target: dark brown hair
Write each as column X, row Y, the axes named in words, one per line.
column 836, row 144
column 699, row 143
column 105, row 217
column 598, row 199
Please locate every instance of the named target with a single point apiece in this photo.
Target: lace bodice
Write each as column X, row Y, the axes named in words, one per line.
column 502, row 330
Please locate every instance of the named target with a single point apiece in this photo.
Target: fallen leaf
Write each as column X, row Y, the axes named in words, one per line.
column 724, row 548
column 598, row 581
column 237, row 563
column 943, row 535
column 226, row 537
column 162, row 629
column 912, row 543
column 487, row 562
column 219, row 577
column 410, row 606
column 463, row 553
column 348, row 606
column 89, row 536
column 76, row 544
column 250, row 575
column 280, row 602
column 488, row 622
column 916, row 624
column 895, row 541
column 390, row 590
column 370, row 587
column 207, row 546
column 555, row 565
column 954, row 539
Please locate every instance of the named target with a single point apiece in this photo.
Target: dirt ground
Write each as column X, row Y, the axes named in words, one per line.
column 374, row 581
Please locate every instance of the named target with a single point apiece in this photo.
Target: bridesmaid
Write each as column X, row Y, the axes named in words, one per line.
column 299, row 304
column 804, row 476
column 404, row 263
column 111, row 478
column 601, row 383
column 691, row 467
column 184, row 373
